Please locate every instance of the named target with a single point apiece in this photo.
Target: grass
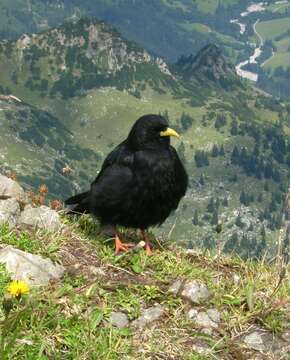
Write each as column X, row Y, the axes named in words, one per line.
column 210, row 6
column 278, row 8
column 283, row 44
column 69, row 319
column 271, row 28
column 196, row 27
column 279, row 59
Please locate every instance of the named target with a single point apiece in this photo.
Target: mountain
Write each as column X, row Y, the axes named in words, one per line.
column 253, row 36
column 79, row 56
column 209, row 63
column 166, row 28
column 90, row 84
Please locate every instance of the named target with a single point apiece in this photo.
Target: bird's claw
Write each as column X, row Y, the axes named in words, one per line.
column 148, row 250
column 122, row 247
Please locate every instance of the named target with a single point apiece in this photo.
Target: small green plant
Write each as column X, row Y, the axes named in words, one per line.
column 130, row 303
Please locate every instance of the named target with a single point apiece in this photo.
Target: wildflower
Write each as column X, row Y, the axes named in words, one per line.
column 18, row 288
column 56, row 204
column 12, row 175
column 43, row 189
column 38, row 200
column 67, row 170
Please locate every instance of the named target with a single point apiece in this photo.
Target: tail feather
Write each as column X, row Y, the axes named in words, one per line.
column 81, row 201
column 77, row 198
column 79, row 209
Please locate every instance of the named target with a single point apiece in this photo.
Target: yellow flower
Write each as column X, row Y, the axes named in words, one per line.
column 17, row 288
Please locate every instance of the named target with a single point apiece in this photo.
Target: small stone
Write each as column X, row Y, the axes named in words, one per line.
column 11, row 189
column 195, row 292
column 119, row 320
column 214, row 315
column 33, row 269
column 9, row 212
column 204, row 321
column 175, row 287
column 236, row 279
column 254, row 341
column 42, row 217
column 286, row 336
column 149, row 315
column 192, row 314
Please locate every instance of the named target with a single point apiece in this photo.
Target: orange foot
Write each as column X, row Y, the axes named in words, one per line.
column 147, row 243
column 120, row 246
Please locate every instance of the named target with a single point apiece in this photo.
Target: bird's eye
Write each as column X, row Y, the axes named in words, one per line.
column 160, row 128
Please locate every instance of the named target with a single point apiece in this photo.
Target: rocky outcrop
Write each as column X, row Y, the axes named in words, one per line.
column 209, row 63
column 13, row 198
column 11, row 189
column 9, row 212
column 41, row 217
column 33, row 269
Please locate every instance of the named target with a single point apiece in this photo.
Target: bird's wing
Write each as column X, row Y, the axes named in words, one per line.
column 120, row 155
column 180, row 172
column 111, row 188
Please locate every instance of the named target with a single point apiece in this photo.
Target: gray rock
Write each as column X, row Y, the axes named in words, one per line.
column 275, row 346
column 119, row 320
column 9, row 212
column 286, row 336
column 195, row 292
column 202, row 319
column 42, row 217
column 192, row 314
column 175, row 287
column 11, row 189
column 214, row 315
column 33, row 269
column 254, row 341
column 236, row 279
column 207, row 320
column 149, row 315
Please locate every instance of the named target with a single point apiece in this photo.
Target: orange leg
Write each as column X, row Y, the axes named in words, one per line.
column 147, row 243
column 120, row 246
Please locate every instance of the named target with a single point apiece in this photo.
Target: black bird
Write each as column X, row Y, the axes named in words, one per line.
column 141, row 181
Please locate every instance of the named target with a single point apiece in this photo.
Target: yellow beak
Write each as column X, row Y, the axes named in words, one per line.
column 170, row 132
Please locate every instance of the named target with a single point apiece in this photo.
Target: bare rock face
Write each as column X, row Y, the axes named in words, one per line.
column 42, row 217
column 9, row 212
column 11, row 189
column 33, row 269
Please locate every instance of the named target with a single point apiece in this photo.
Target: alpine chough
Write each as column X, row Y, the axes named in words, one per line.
column 141, row 181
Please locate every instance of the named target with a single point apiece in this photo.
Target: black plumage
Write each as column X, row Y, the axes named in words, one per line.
column 141, row 181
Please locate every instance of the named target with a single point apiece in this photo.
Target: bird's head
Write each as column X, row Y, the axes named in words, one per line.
column 151, row 131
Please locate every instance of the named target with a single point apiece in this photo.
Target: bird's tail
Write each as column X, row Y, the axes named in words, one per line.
column 77, row 198
column 81, row 201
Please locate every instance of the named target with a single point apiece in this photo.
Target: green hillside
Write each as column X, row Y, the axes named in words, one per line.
column 235, row 140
